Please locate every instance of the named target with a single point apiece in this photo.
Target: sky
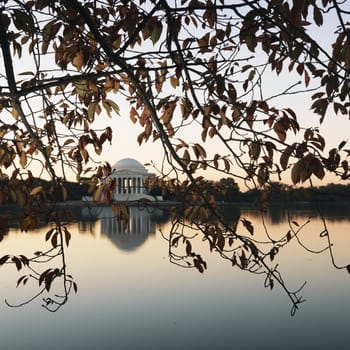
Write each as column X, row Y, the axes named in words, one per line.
column 334, row 128
column 125, row 145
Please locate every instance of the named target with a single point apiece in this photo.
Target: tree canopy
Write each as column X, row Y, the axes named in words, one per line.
column 211, row 82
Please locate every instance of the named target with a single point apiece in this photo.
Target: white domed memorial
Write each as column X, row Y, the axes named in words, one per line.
column 130, row 176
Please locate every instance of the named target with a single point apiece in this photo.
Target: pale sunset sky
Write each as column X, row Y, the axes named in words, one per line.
column 334, row 128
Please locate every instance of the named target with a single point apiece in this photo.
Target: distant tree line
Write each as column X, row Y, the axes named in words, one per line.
column 224, row 190
column 227, row 190
column 329, row 193
column 18, row 191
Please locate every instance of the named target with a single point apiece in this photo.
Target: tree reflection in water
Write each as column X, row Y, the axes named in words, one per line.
column 254, row 251
column 234, row 238
column 130, row 235
column 55, row 280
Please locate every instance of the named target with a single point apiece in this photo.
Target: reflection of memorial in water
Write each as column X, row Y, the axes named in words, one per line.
column 131, row 235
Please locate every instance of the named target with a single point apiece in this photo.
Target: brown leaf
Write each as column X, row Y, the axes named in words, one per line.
column 67, row 235
column 198, row 265
column 36, row 190
column 341, row 145
column 248, row 225
column 318, row 18
column 203, row 43
column 285, row 157
column 317, row 168
column 23, row 159
column 210, row 14
column 43, row 275
column 220, row 242
column 263, row 175
column 300, row 68
column 78, row 60
column 254, row 150
column 4, row 259
column 273, row 253
column 49, row 233
column 168, row 112
column 156, row 31
column 188, row 248
column 200, row 150
column 17, row 262
column 175, row 241
column 64, row 193
column 296, row 171
column 174, row 81
column 307, row 78
column 227, row 164
column 22, row 279
column 320, row 107
column 280, row 131
column 54, row 240
column 244, row 260
column 186, row 158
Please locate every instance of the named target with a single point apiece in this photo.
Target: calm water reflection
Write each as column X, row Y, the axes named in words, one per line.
column 131, row 297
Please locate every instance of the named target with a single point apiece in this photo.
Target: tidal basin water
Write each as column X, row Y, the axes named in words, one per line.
column 131, row 297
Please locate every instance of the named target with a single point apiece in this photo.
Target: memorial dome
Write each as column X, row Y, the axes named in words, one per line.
column 129, row 164
column 130, row 176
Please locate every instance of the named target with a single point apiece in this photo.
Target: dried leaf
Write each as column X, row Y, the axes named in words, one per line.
column 157, row 31
column 48, row 234
column 54, row 240
column 4, row 259
column 296, row 171
column 186, row 158
column 168, row 112
column 285, row 157
column 188, row 248
column 175, row 241
column 198, row 265
column 23, row 21
column 64, row 193
column 318, row 16
column 174, row 81
column 15, row 113
column 78, row 60
column 280, row 131
column 220, row 242
column 341, row 145
column 17, row 263
column 23, row 159
column 67, row 236
column 36, row 190
column 91, row 111
column 254, row 150
column 263, row 175
column 227, row 164
column 22, row 279
column 244, row 260
column 248, row 225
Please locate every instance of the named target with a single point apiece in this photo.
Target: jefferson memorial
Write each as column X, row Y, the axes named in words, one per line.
column 130, row 176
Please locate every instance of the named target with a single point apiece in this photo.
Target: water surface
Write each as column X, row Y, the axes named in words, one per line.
column 131, row 297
